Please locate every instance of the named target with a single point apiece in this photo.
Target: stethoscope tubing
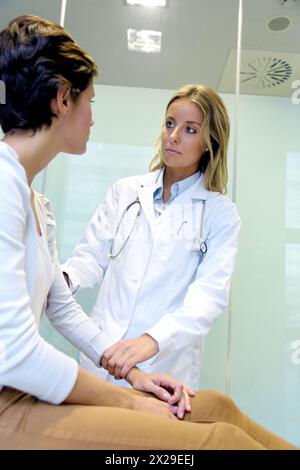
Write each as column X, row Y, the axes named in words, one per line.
column 200, row 240
column 116, row 255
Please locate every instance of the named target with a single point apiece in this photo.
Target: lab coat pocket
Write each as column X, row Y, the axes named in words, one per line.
column 187, row 261
column 194, row 243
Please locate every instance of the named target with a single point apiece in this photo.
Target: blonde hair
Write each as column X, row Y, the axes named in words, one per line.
column 215, row 130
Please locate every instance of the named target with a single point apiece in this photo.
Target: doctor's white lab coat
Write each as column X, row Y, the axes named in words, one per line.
column 160, row 282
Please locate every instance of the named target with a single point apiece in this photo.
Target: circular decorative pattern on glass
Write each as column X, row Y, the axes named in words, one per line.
column 266, row 72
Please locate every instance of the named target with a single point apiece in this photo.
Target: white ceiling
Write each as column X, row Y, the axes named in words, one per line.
column 198, row 40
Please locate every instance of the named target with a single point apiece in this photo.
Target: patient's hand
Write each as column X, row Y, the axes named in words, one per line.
column 165, row 387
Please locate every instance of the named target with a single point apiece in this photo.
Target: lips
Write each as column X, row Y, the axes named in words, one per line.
column 172, row 151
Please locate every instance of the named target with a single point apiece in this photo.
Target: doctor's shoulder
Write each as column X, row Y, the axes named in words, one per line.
column 222, row 209
column 134, row 182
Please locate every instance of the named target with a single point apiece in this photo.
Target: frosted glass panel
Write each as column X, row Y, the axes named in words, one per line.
column 293, row 190
column 292, row 364
column 292, row 269
column 265, row 297
column 39, row 182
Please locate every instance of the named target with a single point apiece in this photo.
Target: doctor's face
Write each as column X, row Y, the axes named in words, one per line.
column 182, row 144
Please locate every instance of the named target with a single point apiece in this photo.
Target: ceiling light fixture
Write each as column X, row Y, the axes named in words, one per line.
column 144, row 40
column 147, row 3
column 288, row 3
column 278, row 24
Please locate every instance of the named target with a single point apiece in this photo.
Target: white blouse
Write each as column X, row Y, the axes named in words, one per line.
column 30, row 280
column 44, row 268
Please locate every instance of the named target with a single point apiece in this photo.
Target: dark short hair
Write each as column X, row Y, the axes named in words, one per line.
column 37, row 57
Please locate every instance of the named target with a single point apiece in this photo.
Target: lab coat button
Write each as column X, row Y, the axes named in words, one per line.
column 136, row 278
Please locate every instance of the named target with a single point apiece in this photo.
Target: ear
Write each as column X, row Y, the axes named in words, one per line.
column 61, row 104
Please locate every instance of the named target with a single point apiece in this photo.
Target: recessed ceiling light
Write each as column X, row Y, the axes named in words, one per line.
column 144, row 40
column 277, row 24
column 288, row 3
column 147, row 3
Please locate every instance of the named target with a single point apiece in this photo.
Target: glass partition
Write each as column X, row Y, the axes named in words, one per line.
column 265, row 294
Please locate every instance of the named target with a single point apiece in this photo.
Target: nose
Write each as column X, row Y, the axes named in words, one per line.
column 174, row 136
column 92, row 122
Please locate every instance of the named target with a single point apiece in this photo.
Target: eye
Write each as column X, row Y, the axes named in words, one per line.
column 92, row 101
column 190, row 130
column 169, row 124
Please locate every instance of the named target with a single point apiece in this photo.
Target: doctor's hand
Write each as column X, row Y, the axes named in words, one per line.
column 125, row 354
column 165, row 387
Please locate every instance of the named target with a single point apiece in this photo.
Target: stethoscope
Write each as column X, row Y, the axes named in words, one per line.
column 199, row 242
column 116, row 255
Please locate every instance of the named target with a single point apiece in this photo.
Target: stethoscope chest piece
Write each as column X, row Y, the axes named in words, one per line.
column 203, row 247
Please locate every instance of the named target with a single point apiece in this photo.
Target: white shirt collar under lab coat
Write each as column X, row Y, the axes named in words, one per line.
column 176, row 189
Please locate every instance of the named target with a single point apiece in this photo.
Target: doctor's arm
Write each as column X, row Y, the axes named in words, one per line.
column 88, row 263
column 204, row 301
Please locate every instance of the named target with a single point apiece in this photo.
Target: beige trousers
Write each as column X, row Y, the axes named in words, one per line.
column 214, row 423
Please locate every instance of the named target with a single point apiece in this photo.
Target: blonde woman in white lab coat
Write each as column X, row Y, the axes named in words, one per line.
column 162, row 247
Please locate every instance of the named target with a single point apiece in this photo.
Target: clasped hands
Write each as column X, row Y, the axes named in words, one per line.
column 120, row 361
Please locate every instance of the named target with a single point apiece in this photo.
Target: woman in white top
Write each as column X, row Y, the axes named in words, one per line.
column 162, row 247
column 46, row 400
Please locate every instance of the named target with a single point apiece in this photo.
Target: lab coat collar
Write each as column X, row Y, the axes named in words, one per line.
column 148, row 183
column 198, row 190
column 176, row 188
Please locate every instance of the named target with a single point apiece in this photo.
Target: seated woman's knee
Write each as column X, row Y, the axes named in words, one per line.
column 212, row 406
